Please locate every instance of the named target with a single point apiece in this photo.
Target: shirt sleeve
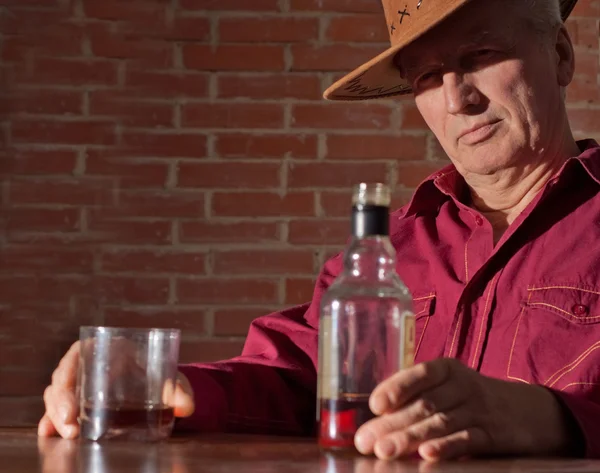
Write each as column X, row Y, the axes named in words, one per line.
column 585, row 411
column 271, row 388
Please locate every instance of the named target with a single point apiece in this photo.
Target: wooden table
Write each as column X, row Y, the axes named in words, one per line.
column 21, row 451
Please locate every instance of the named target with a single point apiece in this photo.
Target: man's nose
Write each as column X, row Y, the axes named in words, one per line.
column 460, row 95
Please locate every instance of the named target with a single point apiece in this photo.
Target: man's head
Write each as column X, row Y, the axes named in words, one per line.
column 489, row 81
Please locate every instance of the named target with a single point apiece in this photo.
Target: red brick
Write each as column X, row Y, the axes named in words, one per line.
column 204, row 351
column 584, row 32
column 189, row 29
column 129, row 111
column 237, row 5
column 107, row 229
column 158, row 204
column 584, row 120
column 336, row 204
column 153, row 261
column 264, row 262
column 361, row 28
column 587, row 63
column 233, row 115
column 263, row 204
column 85, row 191
column 335, row 174
column 230, row 291
column 299, row 290
column 142, row 50
column 21, row 411
column 268, row 30
column 400, row 198
column 353, row 116
column 127, row 172
column 359, row 6
column 335, row 57
column 31, row 219
column 151, row 144
column 233, row 321
column 158, row 84
column 141, row 11
column 410, row 175
column 46, row 101
column 63, row 132
column 412, row 118
column 368, row 147
column 130, row 289
column 62, row 39
column 75, row 72
column 270, row 86
column 38, row 161
column 234, row 57
column 229, row 175
column 586, row 8
column 223, row 233
column 55, row 288
column 187, row 320
column 51, row 259
column 263, row 146
column 583, row 89
column 318, row 232
column 21, row 383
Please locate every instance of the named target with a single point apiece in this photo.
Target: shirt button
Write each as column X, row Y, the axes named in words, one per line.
column 478, row 221
column 579, row 309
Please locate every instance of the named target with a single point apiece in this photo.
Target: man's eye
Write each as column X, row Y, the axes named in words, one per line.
column 426, row 78
column 483, row 53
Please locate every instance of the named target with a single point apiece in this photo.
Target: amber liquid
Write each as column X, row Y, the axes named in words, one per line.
column 101, row 421
column 340, row 419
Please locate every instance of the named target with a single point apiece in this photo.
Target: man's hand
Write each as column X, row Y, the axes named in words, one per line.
column 62, row 407
column 444, row 410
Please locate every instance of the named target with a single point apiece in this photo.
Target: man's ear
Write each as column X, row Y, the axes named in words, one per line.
column 565, row 57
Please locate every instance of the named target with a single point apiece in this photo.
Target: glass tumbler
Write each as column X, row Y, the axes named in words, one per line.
column 126, row 382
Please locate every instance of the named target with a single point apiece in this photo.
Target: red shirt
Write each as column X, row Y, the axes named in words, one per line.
column 525, row 310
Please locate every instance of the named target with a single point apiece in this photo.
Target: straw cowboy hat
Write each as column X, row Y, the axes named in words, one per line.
column 406, row 20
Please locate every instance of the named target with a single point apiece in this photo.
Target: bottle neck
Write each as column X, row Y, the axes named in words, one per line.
column 370, row 221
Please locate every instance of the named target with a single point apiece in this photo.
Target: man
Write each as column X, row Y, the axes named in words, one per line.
column 499, row 250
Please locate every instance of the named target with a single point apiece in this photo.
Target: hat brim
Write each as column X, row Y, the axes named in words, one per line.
column 380, row 78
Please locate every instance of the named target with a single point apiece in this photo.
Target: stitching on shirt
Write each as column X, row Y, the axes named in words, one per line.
column 512, row 348
column 483, row 319
column 452, row 171
column 422, row 333
column 533, row 288
column 455, row 332
column 466, row 257
column 430, row 296
column 577, row 384
column 571, row 366
column 578, row 317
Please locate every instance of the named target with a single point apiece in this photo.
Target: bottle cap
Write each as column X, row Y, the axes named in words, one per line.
column 371, row 194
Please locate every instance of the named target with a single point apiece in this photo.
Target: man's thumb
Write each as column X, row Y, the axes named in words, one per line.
column 184, row 397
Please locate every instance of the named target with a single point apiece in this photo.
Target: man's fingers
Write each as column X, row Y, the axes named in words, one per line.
column 471, row 442
column 407, row 441
column 46, row 427
column 184, row 397
column 61, row 409
column 65, row 375
column 405, row 385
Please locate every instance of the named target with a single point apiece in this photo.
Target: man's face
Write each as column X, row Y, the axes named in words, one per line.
column 487, row 87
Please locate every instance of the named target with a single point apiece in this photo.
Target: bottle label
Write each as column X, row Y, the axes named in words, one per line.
column 407, row 350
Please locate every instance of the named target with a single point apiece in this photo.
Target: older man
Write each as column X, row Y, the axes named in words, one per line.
column 500, row 251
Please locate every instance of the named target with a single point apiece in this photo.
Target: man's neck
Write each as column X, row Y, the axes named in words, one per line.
column 501, row 197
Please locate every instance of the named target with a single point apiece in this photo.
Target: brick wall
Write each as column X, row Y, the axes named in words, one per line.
column 171, row 163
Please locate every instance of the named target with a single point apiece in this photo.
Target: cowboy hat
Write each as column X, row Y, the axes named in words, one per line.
column 379, row 77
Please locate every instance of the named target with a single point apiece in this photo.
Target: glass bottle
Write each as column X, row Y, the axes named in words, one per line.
column 366, row 328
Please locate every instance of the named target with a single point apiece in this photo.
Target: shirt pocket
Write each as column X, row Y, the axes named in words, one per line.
column 557, row 338
column 424, row 305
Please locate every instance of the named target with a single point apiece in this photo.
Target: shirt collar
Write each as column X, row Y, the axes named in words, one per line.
column 448, row 183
